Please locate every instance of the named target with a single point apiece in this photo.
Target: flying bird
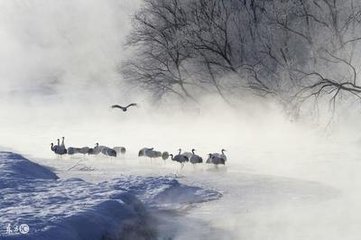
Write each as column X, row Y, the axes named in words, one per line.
column 124, row 108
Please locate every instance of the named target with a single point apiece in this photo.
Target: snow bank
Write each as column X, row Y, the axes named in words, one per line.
column 14, row 166
column 74, row 209
column 163, row 192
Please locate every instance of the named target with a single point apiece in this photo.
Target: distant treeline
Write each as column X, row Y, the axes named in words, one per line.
column 290, row 50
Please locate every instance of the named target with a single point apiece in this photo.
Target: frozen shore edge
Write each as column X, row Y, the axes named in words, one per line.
column 120, row 213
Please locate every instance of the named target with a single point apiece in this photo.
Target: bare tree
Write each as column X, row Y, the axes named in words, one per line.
column 333, row 30
column 290, row 50
column 160, row 48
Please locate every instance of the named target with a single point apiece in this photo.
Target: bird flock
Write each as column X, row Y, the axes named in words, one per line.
column 182, row 158
column 60, row 149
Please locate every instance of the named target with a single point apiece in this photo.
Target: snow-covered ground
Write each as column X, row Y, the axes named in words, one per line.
column 281, row 180
column 59, row 76
column 310, row 203
column 71, row 208
column 258, row 202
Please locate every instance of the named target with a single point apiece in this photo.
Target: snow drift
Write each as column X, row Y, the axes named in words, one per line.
column 74, row 209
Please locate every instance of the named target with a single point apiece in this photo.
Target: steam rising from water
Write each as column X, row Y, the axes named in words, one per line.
column 56, row 51
column 58, row 77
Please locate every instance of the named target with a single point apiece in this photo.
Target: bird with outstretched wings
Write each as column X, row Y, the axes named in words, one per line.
column 124, row 108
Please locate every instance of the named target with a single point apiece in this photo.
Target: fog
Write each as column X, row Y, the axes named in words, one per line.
column 284, row 179
column 62, row 51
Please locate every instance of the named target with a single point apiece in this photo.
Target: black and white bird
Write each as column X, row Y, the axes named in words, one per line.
column 179, row 158
column 91, row 151
column 165, row 155
column 194, row 159
column 74, row 150
column 62, row 142
column 96, row 150
column 53, row 147
column 154, row 154
column 61, row 149
column 124, row 108
column 58, row 149
column 215, row 159
column 102, row 149
column 149, row 152
column 84, row 150
column 120, row 150
column 109, row 152
column 187, row 154
column 143, row 152
column 221, row 155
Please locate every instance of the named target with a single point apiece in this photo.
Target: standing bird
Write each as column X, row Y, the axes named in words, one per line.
column 195, row 158
column 221, row 155
column 52, row 147
column 187, row 154
column 165, row 155
column 124, row 108
column 62, row 142
column 73, row 150
column 179, row 158
column 215, row 159
column 84, row 150
column 58, row 149
column 91, row 151
column 149, row 152
column 120, row 150
column 143, row 151
column 96, row 150
column 109, row 152
column 61, row 149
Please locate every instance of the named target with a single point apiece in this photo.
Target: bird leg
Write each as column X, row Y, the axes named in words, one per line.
column 176, row 173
